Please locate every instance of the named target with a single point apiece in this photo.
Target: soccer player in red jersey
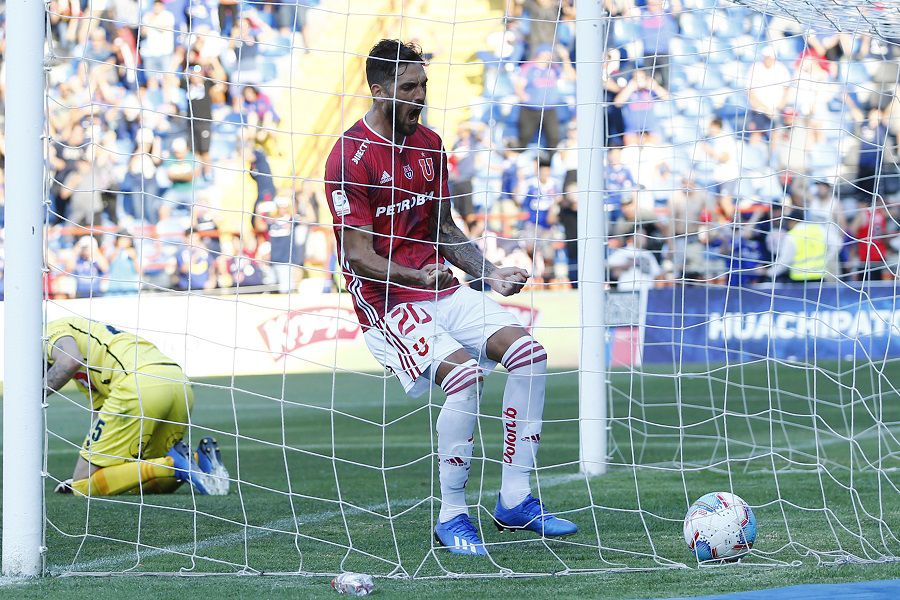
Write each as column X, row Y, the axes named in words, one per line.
column 386, row 182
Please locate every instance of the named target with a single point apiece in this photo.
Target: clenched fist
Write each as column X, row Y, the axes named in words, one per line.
column 507, row 281
column 437, row 276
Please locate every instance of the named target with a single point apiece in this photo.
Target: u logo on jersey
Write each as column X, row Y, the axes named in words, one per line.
column 427, row 168
column 407, row 171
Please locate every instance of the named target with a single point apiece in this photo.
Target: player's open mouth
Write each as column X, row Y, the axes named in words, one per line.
column 414, row 115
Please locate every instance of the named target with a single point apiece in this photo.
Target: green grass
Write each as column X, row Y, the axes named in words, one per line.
column 362, row 492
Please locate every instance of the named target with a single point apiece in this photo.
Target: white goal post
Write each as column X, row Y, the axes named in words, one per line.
column 590, row 39
column 23, row 412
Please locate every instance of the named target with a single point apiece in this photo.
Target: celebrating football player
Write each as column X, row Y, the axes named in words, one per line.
column 386, row 180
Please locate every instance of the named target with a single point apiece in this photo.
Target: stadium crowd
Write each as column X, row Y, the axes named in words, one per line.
column 137, row 118
column 740, row 149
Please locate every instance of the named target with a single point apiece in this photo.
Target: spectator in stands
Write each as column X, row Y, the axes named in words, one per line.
column 632, row 267
column 543, row 18
column 745, row 253
column 166, row 100
column 139, row 190
column 98, row 49
column 158, row 43
column 537, row 88
column 284, row 250
column 689, row 213
column 508, row 45
column 257, row 108
column 565, row 161
column 822, row 205
column 769, row 91
column 200, row 84
column 201, row 15
column 875, row 149
column 82, row 190
column 182, row 170
column 614, row 81
column 826, row 49
column 244, row 45
column 486, row 184
column 308, row 202
column 716, row 159
column 513, row 160
column 258, row 167
column 813, row 88
column 796, row 145
column 870, row 228
column 620, row 183
column 754, row 157
column 800, row 253
column 88, row 265
column 228, row 12
column 64, row 158
column 638, row 100
column 124, row 266
column 292, row 16
column 657, row 27
column 462, row 170
column 204, row 223
column 541, row 196
column 239, row 262
column 650, row 164
column 194, row 264
column 568, row 218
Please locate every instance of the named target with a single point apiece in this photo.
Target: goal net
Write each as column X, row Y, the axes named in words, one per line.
column 748, row 233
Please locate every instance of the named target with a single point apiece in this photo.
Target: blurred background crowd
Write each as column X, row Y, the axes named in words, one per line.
column 740, row 148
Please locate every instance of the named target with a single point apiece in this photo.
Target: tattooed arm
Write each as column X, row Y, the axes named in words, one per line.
column 460, row 251
column 359, row 252
column 67, row 360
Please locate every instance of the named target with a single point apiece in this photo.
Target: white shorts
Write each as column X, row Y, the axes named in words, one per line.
column 416, row 335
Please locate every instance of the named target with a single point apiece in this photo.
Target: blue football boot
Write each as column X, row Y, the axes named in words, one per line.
column 187, row 469
column 460, row 536
column 530, row 515
column 209, row 459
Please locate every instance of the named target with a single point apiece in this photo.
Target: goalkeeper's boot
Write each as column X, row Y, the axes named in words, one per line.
column 531, row 515
column 209, row 459
column 460, row 536
column 187, row 469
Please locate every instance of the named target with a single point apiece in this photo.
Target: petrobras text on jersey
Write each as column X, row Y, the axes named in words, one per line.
column 823, row 323
column 402, row 205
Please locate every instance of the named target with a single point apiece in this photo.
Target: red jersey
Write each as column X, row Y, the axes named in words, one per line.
column 370, row 181
column 872, row 236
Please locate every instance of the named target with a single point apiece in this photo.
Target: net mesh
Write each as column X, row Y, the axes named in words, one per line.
column 750, row 195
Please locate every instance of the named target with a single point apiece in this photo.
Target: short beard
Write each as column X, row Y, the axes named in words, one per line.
column 402, row 128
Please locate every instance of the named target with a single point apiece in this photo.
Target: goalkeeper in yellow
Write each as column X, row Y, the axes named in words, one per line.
column 141, row 401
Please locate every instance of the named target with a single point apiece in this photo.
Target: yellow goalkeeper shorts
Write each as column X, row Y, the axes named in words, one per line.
column 142, row 418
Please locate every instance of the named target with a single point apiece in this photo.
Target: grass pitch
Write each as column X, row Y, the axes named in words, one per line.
column 335, row 478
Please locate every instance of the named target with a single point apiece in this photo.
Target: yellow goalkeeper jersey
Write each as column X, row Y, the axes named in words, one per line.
column 111, row 356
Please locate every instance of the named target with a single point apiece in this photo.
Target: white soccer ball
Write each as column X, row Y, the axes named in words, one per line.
column 719, row 526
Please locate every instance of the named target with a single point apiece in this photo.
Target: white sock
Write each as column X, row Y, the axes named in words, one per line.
column 455, row 434
column 523, row 412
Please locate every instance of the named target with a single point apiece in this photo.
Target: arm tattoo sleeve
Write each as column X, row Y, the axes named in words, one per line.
column 455, row 246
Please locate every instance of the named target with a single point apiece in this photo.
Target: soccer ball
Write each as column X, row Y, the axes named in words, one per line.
column 719, row 526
